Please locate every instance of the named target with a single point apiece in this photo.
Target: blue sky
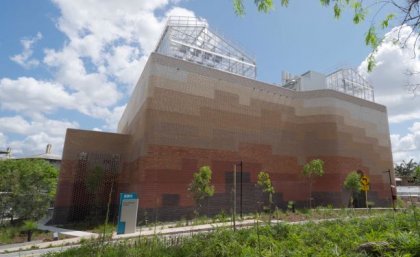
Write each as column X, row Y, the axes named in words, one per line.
column 73, row 63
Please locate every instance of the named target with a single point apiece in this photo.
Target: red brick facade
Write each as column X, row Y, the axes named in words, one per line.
column 183, row 116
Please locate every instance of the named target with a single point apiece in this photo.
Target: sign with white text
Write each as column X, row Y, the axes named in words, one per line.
column 127, row 213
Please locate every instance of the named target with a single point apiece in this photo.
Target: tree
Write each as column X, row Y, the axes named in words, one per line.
column 313, row 169
column 406, row 169
column 27, row 188
column 405, row 12
column 352, row 183
column 417, row 175
column 264, row 182
column 29, row 226
column 201, row 187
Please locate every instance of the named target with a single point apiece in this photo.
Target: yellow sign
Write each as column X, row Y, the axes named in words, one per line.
column 364, row 180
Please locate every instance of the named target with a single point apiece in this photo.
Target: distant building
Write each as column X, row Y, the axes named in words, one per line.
column 47, row 155
column 5, row 154
column 197, row 103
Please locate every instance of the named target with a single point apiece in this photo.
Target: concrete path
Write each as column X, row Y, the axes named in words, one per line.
column 20, row 244
column 37, row 252
column 63, row 231
column 182, row 230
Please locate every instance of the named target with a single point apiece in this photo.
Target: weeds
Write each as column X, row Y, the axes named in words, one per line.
column 331, row 238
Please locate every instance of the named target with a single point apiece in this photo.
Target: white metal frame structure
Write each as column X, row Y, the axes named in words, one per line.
column 190, row 39
column 352, row 83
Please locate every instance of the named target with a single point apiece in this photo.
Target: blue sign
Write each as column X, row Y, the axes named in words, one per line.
column 127, row 213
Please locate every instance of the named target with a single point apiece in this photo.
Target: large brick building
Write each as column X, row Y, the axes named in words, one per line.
column 185, row 113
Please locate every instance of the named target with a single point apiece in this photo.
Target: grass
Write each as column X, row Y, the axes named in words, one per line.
column 330, row 238
column 324, row 213
column 14, row 234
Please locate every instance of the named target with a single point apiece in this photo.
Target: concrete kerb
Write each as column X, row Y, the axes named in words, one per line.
column 58, row 243
column 184, row 230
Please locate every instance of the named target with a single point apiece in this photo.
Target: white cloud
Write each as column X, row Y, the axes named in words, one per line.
column 14, row 124
column 392, row 89
column 2, row 141
column 407, row 147
column 390, row 75
column 24, row 59
column 36, row 134
column 107, row 45
column 35, row 144
column 31, row 96
column 113, row 119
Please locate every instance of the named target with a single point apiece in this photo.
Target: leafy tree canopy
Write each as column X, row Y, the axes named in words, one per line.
column 406, row 169
column 405, row 12
column 417, row 175
column 27, row 188
column 314, row 168
column 201, row 186
column 352, row 182
column 264, row 182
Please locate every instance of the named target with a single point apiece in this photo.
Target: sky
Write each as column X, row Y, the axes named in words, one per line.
column 74, row 63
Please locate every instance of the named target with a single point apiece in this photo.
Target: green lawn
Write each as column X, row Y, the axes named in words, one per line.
column 331, row 238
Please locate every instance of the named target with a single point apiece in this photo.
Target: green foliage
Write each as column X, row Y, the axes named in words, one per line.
column 264, row 5
column 385, row 22
column 29, row 226
column 221, row 217
column 331, row 238
column 94, row 179
column 201, row 186
column 238, row 6
column 28, row 187
column 371, row 38
column 314, row 168
column 8, row 233
column 406, row 169
column 371, row 62
column 417, row 175
column 264, row 182
column 284, row 3
column 352, row 182
column 291, row 206
column 337, row 11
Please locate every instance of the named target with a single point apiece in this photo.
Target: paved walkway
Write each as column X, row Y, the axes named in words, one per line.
column 63, row 231
column 164, row 230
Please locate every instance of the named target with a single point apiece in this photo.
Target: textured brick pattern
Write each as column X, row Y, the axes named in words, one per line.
column 183, row 116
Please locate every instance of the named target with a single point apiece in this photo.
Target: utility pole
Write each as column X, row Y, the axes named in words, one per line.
column 234, row 197
column 390, row 188
column 241, row 191
column 7, row 152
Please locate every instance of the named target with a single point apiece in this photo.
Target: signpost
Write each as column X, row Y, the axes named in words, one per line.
column 234, row 197
column 364, row 180
column 127, row 213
